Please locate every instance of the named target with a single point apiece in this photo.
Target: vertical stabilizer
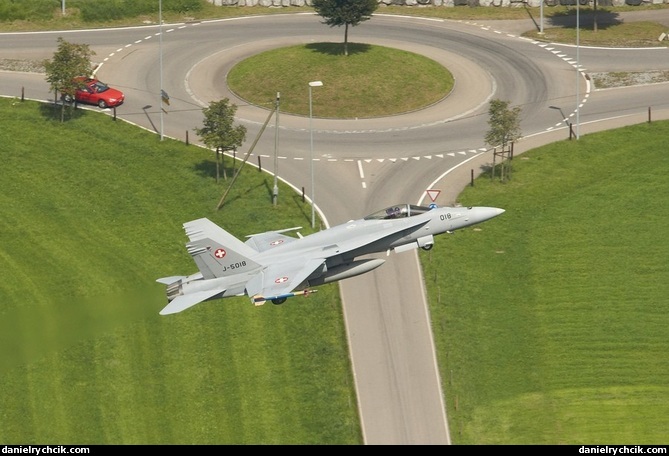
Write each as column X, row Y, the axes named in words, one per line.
column 216, row 252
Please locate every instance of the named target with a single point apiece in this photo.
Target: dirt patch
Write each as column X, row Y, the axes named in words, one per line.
column 27, row 66
column 627, row 79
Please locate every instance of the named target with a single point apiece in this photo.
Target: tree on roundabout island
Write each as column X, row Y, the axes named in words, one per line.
column 345, row 12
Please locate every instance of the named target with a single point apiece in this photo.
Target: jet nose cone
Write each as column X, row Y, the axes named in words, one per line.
column 481, row 214
column 475, row 215
column 486, row 213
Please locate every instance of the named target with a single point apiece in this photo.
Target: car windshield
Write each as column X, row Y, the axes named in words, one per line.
column 99, row 87
column 397, row 211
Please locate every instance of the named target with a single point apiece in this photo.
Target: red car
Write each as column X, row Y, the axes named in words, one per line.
column 96, row 92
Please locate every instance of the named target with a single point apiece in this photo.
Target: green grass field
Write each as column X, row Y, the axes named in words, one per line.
column 551, row 320
column 92, row 213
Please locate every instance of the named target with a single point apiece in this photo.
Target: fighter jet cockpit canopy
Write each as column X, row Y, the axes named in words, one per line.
column 397, row 211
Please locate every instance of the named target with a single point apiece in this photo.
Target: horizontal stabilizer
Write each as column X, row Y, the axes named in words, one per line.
column 170, row 280
column 184, row 302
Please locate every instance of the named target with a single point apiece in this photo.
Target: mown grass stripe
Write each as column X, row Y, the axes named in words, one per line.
column 95, row 222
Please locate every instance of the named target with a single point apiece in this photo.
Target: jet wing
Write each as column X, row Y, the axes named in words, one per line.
column 185, row 301
column 270, row 239
column 355, row 242
column 279, row 280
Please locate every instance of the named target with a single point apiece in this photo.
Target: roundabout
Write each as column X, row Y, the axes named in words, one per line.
column 204, row 84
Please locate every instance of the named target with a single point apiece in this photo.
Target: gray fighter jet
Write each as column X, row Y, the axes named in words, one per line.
column 273, row 267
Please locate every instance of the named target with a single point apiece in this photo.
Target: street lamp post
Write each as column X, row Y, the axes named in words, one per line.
column 541, row 20
column 275, row 191
column 578, row 68
column 311, row 135
column 160, row 51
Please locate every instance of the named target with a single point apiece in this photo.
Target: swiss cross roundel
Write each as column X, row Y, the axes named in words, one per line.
column 219, row 253
column 281, row 280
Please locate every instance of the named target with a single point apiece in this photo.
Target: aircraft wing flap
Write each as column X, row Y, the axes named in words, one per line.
column 283, row 278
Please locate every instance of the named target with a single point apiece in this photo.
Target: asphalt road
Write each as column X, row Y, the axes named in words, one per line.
column 364, row 165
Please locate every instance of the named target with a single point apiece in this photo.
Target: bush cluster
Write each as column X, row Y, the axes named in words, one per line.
column 23, row 10
column 92, row 10
column 105, row 10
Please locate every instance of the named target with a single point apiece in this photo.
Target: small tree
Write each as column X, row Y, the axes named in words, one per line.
column 345, row 12
column 218, row 132
column 504, row 129
column 69, row 61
